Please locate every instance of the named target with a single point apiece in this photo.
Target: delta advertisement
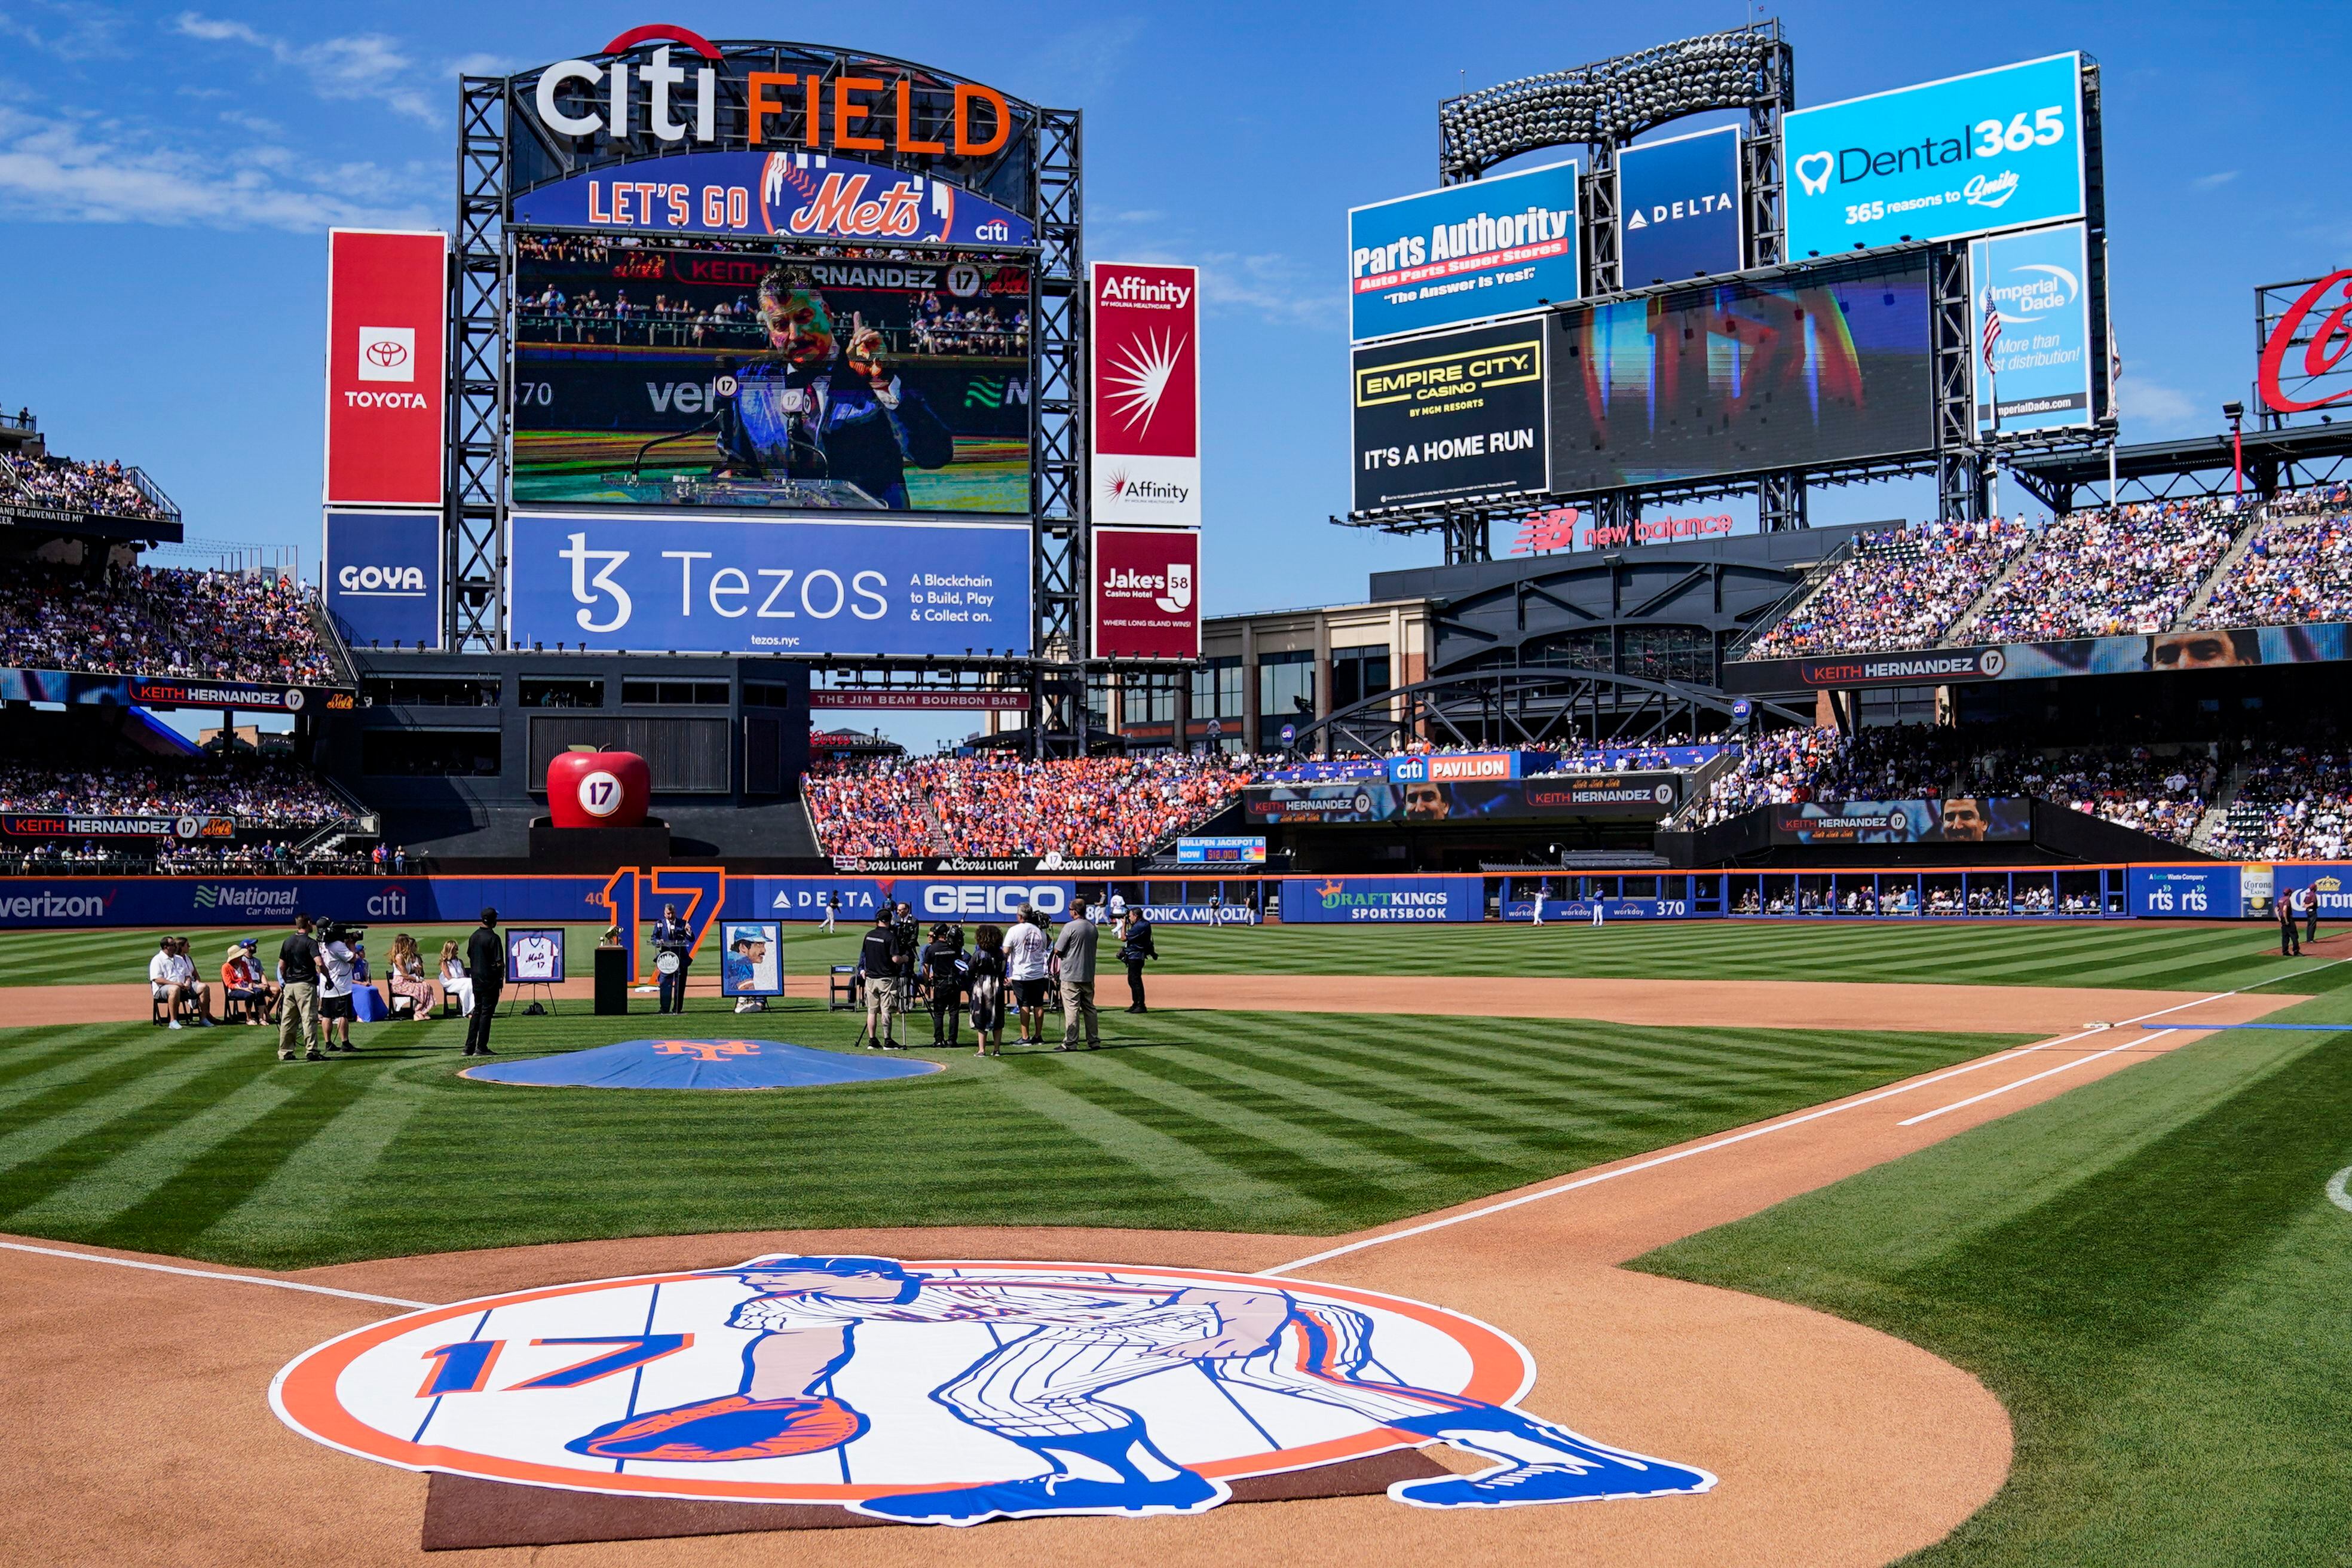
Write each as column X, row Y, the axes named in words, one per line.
column 1145, row 435
column 1992, row 149
column 2038, row 283
column 1955, row 819
column 1678, row 209
column 1453, row 416
column 677, row 584
column 860, row 898
column 783, row 195
column 380, row 577
column 387, row 299
column 1147, row 602
column 2132, row 654
column 1430, row 802
column 1386, row 901
column 1464, row 253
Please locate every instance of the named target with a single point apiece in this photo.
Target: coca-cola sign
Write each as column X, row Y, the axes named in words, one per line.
column 2322, row 328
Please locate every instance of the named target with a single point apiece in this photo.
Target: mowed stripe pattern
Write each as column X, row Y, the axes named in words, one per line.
column 198, row 1144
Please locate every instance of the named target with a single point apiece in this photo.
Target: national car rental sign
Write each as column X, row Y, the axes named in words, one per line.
column 386, row 306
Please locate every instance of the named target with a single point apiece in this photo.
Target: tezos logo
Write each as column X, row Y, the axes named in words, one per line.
column 387, row 353
column 401, row 582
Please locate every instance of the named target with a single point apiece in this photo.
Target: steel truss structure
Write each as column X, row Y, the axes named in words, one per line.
column 1528, row 709
column 1603, row 106
column 2206, row 467
column 480, row 435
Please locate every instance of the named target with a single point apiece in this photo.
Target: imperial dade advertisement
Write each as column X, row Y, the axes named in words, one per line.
column 1147, row 601
column 1146, row 362
column 2038, row 283
column 1449, row 415
column 387, row 295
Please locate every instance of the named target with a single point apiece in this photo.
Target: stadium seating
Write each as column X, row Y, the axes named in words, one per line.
column 2295, row 803
column 208, row 625
column 1900, row 588
column 61, row 483
column 2297, row 566
column 2097, row 573
column 1012, row 806
column 270, row 791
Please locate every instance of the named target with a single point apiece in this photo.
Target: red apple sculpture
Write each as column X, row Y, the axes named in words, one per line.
column 598, row 789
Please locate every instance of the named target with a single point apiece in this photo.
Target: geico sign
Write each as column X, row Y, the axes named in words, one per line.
column 991, row 899
column 381, row 579
column 853, row 114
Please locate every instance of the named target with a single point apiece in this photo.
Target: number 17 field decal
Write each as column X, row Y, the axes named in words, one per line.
column 948, row 1393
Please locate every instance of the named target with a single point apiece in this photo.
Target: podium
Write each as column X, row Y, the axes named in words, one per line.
column 612, row 980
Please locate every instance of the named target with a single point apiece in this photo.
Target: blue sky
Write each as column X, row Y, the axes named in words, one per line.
column 166, row 177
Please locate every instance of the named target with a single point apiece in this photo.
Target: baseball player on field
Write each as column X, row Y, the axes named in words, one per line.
column 1083, row 1338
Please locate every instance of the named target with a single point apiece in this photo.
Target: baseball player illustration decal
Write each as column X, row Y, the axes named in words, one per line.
column 949, row 1393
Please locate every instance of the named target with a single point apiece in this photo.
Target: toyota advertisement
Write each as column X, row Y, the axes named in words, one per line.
column 1147, row 598
column 704, row 585
column 1464, row 253
column 387, row 295
column 1145, row 353
column 719, row 378
column 381, row 580
column 1993, row 149
column 2038, row 283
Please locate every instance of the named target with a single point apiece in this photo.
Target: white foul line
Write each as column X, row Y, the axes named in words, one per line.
column 213, row 1274
column 1762, row 1129
column 2335, row 1192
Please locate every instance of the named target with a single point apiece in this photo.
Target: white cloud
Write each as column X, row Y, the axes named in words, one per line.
column 2212, row 182
column 1269, row 285
column 69, row 32
column 357, row 64
column 57, row 172
column 2150, row 406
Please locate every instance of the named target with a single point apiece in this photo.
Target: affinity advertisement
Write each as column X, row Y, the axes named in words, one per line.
column 1145, row 351
column 382, row 578
column 1828, row 366
column 1996, row 149
column 387, row 299
column 1678, row 209
column 1385, row 901
column 1453, row 416
column 2038, row 283
column 689, row 584
column 721, row 378
column 1147, row 602
column 1957, row 819
column 783, row 195
column 1489, row 247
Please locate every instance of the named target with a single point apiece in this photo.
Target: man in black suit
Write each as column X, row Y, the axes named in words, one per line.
column 673, row 935
column 486, row 966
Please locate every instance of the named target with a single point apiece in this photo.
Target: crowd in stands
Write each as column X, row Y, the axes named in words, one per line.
column 2292, row 804
column 2101, row 572
column 2297, row 565
column 2131, row 786
column 1789, row 767
column 1899, row 588
column 69, row 486
column 162, row 621
column 1016, row 806
column 259, row 789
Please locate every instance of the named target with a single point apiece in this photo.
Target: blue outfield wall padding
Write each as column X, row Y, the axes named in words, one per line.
column 699, row 1064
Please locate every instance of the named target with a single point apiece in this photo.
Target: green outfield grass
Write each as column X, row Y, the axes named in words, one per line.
column 2149, row 1273
column 2218, row 956
column 201, row 1143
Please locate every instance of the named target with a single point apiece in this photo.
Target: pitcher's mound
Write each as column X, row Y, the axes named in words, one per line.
column 697, row 1064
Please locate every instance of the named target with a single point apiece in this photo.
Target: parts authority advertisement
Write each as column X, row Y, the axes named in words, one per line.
column 1464, row 253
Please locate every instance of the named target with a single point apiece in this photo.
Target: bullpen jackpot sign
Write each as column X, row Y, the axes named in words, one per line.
column 1146, row 430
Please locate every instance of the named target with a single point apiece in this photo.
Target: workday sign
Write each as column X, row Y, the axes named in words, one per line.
column 383, row 576
column 1997, row 149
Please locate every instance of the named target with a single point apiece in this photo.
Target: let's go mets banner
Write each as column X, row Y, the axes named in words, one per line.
column 1333, row 900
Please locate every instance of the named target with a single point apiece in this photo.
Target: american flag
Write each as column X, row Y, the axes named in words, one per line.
column 1991, row 330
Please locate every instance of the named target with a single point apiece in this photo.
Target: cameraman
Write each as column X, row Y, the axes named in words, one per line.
column 941, row 966
column 879, row 969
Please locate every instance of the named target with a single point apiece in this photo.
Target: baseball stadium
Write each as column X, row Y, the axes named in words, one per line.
column 1682, row 1018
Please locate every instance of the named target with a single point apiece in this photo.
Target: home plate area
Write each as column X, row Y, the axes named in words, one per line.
column 695, row 1064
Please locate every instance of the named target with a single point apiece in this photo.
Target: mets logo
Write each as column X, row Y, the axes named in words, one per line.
column 947, row 1392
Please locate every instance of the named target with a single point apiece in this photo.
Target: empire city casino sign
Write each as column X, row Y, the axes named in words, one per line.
column 818, row 111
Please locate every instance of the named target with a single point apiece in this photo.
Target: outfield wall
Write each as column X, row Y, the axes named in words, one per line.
column 2198, row 891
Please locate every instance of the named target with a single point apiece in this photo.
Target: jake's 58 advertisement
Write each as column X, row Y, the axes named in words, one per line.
column 1454, row 415
column 1147, row 594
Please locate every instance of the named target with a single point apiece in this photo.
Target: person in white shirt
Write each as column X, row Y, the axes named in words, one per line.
column 1026, row 950
column 454, row 980
column 173, row 986
column 337, row 980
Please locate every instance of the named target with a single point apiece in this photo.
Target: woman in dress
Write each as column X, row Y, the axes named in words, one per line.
column 985, row 992
column 408, row 977
column 454, row 979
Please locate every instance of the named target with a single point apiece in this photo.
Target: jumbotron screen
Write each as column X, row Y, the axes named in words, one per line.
column 733, row 378
column 1823, row 366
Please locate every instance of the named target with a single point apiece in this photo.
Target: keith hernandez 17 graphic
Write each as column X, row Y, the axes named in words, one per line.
column 947, row 1392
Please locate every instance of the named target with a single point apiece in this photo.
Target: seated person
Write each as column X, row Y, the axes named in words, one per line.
column 408, row 977
column 454, row 980
column 241, row 980
column 163, row 982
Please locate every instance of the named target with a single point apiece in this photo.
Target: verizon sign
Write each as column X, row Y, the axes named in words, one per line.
column 386, row 300
column 1147, row 597
column 1146, row 364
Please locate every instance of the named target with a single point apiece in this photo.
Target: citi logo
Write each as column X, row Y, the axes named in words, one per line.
column 390, row 582
column 993, row 229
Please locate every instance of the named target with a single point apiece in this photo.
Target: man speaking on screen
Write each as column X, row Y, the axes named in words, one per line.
column 819, row 409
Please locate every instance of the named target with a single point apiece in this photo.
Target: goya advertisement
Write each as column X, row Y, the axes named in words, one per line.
column 729, row 379
column 1995, row 149
column 1488, row 247
column 2040, row 365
